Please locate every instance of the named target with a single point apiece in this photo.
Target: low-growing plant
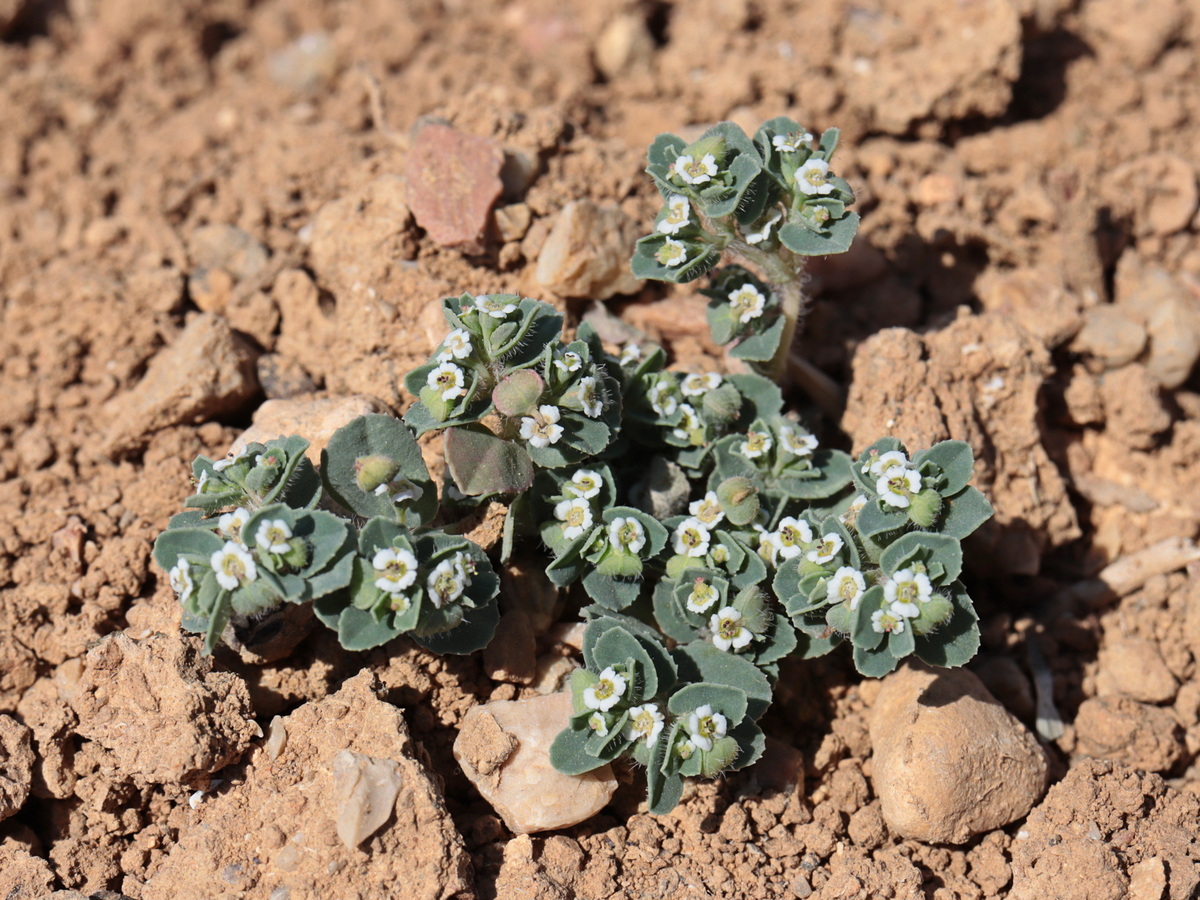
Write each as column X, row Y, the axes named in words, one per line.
column 705, row 532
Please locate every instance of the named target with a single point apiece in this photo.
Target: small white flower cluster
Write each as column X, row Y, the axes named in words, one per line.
column 702, row 596
column 575, row 512
column 797, row 442
column 664, row 395
column 396, row 572
column 672, row 253
column 645, row 722
column 747, row 302
column 449, row 579
column 792, row 537
column 457, row 345
column 689, row 425
column 903, row 594
column 896, row 480
column 234, row 566
column 494, row 306
column 791, row 143
column 757, row 237
column 626, row 534
column 401, row 490
column 729, row 631
column 705, row 727
column 695, row 171
column 679, row 215
column 812, row 178
column 693, row 536
column 542, row 428
column 847, row 583
column 757, row 444
column 447, row 380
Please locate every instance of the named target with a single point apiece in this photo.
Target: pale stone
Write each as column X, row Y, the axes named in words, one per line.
column 1135, row 668
column 315, row 419
column 16, row 765
column 1110, row 337
column 587, row 252
column 949, row 761
column 1121, row 729
column 624, row 43
column 504, row 748
column 364, row 792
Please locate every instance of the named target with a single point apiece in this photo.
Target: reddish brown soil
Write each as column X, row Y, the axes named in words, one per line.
column 1019, row 163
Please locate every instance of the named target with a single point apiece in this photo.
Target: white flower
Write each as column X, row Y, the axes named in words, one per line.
column 273, row 536
column 457, row 345
column 662, row 397
column 757, row 237
column 696, row 171
column 685, row 749
column 631, row 355
column 688, row 423
column 447, row 380
column 202, row 482
column 853, row 509
column 769, row 546
column 703, row 596
column 877, row 464
column 233, row 566
column 793, row 535
column 707, row 510
column 905, row 589
column 827, row 549
column 230, row 524
column 627, row 533
column 672, row 253
column 691, row 538
column 543, row 429
column 401, row 603
column 697, row 385
column 719, row 554
column 569, row 362
column 847, row 583
column 584, row 483
column 645, row 722
column 400, row 490
column 756, row 444
column 705, row 726
column 493, row 306
column 181, row 579
column 813, row 178
column 795, row 443
column 447, row 581
column 605, row 693
column 790, row 143
column 679, row 213
column 728, row 630
column 897, row 485
column 395, row 569
column 222, row 464
column 598, row 723
column 576, row 516
column 748, row 303
column 589, row 397
column 886, row 620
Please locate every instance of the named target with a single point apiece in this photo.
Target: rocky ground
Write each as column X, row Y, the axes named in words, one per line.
column 218, row 211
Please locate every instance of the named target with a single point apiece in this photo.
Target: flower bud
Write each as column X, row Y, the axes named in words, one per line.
column 934, row 612
column 925, row 507
column 739, row 498
column 372, row 471
column 723, row 404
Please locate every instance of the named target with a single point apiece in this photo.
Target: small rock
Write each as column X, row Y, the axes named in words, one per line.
column 364, row 791
column 950, row 762
column 206, row 371
column 159, row 708
column 23, row 876
column 1105, row 25
column 229, row 249
column 1122, row 729
column 1148, row 879
column 511, row 656
column 503, row 747
column 1082, row 397
column 1133, row 406
column 1170, row 312
column 16, row 765
column 1135, row 668
column 210, row 289
column 587, row 252
column 306, row 64
column 283, row 377
column 313, row 418
column 280, row 830
column 1110, row 336
column 625, row 43
column 453, row 181
column 1035, row 299
column 1157, row 191
column 513, row 221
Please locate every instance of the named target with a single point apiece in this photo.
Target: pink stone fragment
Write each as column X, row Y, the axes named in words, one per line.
column 453, row 181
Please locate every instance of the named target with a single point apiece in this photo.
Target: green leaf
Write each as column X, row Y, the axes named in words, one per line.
column 700, row 260
column 963, row 513
column 615, row 648
column 780, row 642
column 810, row 646
column 832, row 468
column 568, row 753
column 381, row 436
column 701, row 661
column 759, row 347
column 731, row 702
column 614, row 593
column 863, row 632
column 482, row 463
column 957, row 641
column 943, row 548
column 474, row 633
column 901, row 644
column 874, row 663
column 875, row 519
column 518, row 393
column 218, row 618
column 956, row 461
column 837, row 239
